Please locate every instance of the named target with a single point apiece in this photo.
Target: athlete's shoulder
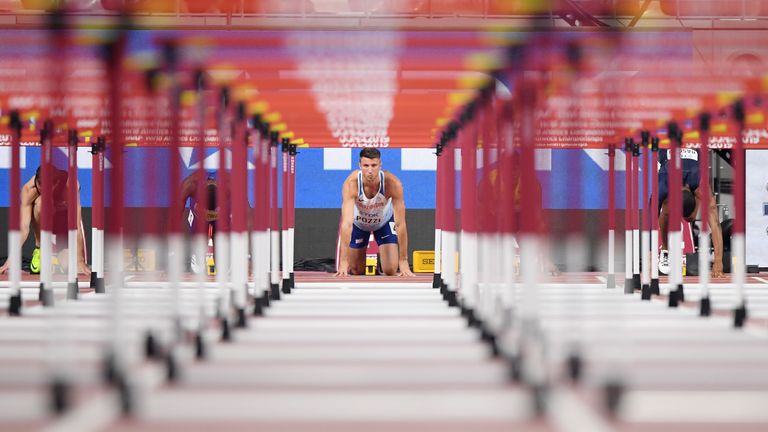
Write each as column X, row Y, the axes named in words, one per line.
column 352, row 178
column 350, row 184
column 29, row 192
column 394, row 187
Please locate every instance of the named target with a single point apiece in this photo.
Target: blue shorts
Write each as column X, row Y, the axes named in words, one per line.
column 690, row 176
column 383, row 235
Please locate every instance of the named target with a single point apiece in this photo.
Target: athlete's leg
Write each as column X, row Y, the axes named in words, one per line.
column 358, row 245
column 63, row 257
column 663, row 224
column 389, row 251
column 356, row 261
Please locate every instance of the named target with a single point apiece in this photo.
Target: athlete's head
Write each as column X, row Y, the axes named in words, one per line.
column 370, row 163
column 689, row 203
column 58, row 175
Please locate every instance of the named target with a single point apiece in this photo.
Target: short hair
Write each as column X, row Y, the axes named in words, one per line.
column 689, row 203
column 370, row 153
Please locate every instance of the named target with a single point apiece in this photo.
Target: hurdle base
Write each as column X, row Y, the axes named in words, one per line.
column 257, row 309
column 126, row 394
column 645, row 292
column 73, row 291
column 286, row 289
column 100, row 287
column 613, row 392
column 60, row 396
column 705, row 307
column 673, row 300
column 515, row 365
column 151, row 347
column 680, row 293
column 14, row 305
column 200, row 350
column 226, row 331
column 45, row 295
column 274, row 291
column 610, row 281
column 242, row 320
column 264, row 301
column 469, row 314
column 292, row 280
column 109, row 368
column 171, row 367
column 539, row 396
column 436, row 281
column 94, row 278
column 740, row 316
column 636, row 283
column 655, row 290
column 488, row 337
column 575, row 366
column 452, row 300
column 628, row 286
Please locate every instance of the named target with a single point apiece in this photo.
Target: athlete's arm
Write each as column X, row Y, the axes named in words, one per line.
column 188, row 189
column 28, row 196
column 395, row 191
column 348, row 196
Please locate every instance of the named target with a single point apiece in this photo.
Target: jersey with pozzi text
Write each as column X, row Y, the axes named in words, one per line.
column 372, row 213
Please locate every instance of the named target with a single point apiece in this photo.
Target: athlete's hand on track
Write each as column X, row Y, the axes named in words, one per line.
column 717, row 269
column 343, row 270
column 405, row 269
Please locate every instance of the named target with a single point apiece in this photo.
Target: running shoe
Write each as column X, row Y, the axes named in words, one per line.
column 196, row 267
column 664, row 262
column 34, row 265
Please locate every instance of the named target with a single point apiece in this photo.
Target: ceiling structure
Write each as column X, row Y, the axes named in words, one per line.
column 352, row 73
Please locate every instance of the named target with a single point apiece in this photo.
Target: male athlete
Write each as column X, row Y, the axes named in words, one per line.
column 372, row 202
column 205, row 213
column 691, row 199
column 30, row 213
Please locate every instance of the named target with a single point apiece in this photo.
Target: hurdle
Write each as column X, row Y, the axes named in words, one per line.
column 481, row 347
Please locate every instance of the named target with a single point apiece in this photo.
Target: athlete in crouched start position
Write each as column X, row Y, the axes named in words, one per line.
column 372, row 202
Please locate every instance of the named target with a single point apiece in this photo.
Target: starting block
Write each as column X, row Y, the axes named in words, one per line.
column 370, row 264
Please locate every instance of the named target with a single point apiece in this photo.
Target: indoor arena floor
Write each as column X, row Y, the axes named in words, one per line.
column 387, row 353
